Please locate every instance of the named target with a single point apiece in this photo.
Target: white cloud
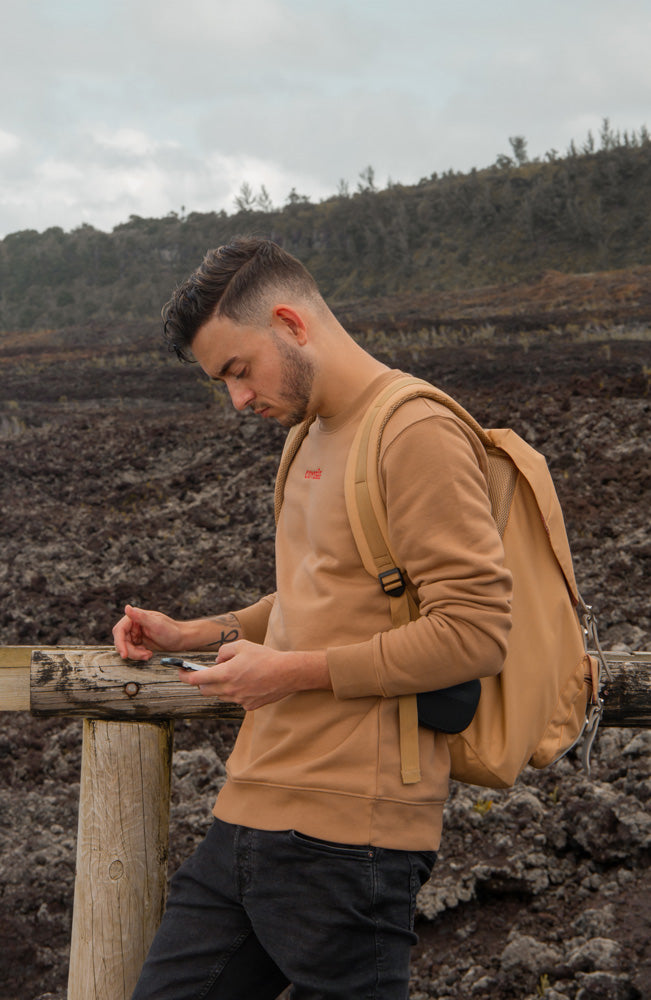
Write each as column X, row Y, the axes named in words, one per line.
column 9, row 143
column 139, row 177
column 128, row 141
column 140, row 106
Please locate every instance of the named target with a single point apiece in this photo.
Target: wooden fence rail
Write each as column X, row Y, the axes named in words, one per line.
column 122, row 843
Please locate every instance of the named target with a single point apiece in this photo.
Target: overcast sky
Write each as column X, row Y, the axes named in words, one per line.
column 118, row 107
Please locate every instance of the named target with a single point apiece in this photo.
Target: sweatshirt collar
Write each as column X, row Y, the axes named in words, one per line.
column 328, row 425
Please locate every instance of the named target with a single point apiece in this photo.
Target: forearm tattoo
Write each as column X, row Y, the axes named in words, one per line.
column 230, row 627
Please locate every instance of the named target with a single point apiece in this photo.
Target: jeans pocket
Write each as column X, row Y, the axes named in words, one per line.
column 421, row 864
column 332, row 848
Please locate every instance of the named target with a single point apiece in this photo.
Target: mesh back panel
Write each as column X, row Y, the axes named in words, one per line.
column 502, row 477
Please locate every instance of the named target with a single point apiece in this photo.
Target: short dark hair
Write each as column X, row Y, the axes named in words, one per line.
column 233, row 281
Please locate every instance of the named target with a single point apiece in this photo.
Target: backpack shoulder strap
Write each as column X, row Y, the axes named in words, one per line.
column 361, row 481
column 368, row 521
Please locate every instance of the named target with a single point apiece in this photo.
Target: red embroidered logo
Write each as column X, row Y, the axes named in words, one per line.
column 313, row 474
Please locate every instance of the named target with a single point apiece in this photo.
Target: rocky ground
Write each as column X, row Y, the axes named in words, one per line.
column 126, row 477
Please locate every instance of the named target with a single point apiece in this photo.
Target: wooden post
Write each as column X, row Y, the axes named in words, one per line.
column 122, row 851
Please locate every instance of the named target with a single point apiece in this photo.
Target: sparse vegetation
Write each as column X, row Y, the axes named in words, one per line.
column 587, row 211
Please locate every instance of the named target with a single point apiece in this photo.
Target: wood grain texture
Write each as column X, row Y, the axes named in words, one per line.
column 122, row 851
column 627, row 696
column 95, row 683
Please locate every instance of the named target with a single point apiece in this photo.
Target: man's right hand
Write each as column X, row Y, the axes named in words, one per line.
column 140, row 632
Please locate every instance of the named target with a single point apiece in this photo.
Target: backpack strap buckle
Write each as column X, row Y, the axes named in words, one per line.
column 392, row 582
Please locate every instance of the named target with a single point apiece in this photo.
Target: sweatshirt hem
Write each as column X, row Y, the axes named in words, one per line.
column 343, row 817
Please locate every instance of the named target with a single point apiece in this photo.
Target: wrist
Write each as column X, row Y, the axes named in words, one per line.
column 186, row 638
column 210, row 634
column 312, row 670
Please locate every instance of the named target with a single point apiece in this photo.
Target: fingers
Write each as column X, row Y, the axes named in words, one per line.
column 137, row 653
column 120, row 636
column 128, row 647
column 209, row 681
column 128, row 636
column 197, row 678
column 136, row 616
column 229, row 650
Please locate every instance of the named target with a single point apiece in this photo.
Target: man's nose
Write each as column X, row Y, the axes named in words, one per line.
column 241, row 396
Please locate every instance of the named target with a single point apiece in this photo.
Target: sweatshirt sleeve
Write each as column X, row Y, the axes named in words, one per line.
column 254, row 619
column 443, row 535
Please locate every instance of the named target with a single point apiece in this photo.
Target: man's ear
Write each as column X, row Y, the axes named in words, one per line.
column 293, row 321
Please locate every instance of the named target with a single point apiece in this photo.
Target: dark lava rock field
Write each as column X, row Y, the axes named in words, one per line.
column 126, row 477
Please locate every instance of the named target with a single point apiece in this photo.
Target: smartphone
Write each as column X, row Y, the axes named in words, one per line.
column 178, row 661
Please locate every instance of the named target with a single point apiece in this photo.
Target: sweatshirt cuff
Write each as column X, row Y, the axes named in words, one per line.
column 352, row 670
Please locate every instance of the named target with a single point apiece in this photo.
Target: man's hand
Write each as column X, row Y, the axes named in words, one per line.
column 140, row 632
column 252, row 675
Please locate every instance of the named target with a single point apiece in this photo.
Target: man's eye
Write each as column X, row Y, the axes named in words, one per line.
column 239, row 375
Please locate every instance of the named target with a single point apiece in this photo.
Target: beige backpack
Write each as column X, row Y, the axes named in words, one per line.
column 547, row 695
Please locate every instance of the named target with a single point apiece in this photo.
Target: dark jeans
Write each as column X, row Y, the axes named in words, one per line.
column 251, row 911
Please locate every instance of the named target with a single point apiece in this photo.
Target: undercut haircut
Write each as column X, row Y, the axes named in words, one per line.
column 235, row 281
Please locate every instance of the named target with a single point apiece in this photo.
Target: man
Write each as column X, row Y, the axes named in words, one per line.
column 310, row 871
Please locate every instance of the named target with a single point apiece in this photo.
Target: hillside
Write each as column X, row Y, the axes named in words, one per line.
column 584, row 213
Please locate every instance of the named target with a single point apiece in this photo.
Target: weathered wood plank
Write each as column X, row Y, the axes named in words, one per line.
column 95, row 683
column 627, row 697
column 92, row 682
column 122, row 850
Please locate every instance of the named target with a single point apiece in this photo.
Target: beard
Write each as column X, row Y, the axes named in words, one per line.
column 297, row 381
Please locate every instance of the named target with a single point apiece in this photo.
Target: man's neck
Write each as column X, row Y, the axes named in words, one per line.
column 344, row 376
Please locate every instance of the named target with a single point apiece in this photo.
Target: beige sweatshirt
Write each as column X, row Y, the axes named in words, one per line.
column 327, row 763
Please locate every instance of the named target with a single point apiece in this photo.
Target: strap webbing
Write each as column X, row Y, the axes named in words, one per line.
column 403, row 609
column 409, row 750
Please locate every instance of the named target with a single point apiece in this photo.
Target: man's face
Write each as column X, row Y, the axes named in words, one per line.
column 262, row 368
